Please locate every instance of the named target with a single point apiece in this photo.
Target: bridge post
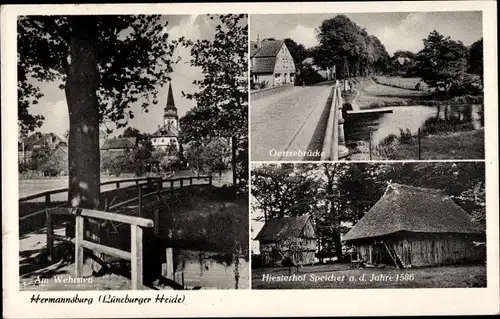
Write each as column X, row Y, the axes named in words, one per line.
column 168, row 267
column 50, row 233
column 210, row 180
column 182, row 182
column 136, row 256
column 117, row 184
column 78, row 244
column 343, row 150
column 140, row 201
column 172, row 185
column 190, row 181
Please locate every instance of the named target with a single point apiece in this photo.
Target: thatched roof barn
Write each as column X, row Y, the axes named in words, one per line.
column 289, row 237
column 413, row 226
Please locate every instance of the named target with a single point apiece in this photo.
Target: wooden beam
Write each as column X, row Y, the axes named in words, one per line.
column 136, row 256
column 168, row 267
column 143, row 222
column 78, row 246
column 106, row 250
column 50, row 235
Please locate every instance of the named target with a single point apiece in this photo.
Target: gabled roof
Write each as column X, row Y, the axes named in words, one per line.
column 283, row 228
column 269, row 48
column 166, row 131
column 412, row 209
column 119, row 143
column 254, row 48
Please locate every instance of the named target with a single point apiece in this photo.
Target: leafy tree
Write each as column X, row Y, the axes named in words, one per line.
column 222, row 98
column 104, row 64
column 131, row 132
column 343, row 44
column 475, row 62
column 307, row 75
column 441, row 62
column 281, row 191
column 39, row 157
column 297, row 50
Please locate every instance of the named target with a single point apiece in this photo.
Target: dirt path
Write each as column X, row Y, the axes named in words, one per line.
column 288, row 121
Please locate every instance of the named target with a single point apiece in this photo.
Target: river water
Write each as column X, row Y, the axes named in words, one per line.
column 379, row 126
column 204, row 270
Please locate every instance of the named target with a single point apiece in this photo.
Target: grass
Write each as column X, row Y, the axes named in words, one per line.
column 337, row 276
column 401, row 82
column 465, row 145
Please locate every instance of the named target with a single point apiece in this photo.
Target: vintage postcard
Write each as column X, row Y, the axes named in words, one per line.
column 228, row 159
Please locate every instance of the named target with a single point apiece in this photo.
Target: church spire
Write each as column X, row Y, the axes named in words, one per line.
column 170, row 109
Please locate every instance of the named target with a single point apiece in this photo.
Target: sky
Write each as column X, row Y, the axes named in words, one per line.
column 54, row 108
column 396, row 30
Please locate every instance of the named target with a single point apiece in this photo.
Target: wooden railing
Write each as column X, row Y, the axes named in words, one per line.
column 138, row 183
column 135, row 255
column 334, row 139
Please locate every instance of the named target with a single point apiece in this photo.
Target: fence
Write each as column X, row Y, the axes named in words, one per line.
column 405, row 139
column 257, row 94
column 105, row 196
column 135, row 254
column 334, row 138
column 136, row 222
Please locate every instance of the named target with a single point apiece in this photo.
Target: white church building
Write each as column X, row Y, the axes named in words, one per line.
column 167, row 134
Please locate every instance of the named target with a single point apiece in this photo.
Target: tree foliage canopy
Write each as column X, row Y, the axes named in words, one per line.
column 344, row 44
column 221, row 109
column 134, row 61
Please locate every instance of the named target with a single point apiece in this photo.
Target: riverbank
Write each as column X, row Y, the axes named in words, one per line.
column 421, row 125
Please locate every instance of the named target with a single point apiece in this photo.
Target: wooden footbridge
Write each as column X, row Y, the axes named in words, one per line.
column 145, row 205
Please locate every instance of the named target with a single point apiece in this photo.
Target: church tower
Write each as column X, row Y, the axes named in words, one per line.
column 170, row 118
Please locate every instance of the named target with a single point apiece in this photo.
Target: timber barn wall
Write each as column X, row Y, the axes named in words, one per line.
column 418, row 252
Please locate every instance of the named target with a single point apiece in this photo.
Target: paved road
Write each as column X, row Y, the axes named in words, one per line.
column 289, row 121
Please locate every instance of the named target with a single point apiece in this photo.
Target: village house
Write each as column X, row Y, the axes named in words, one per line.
column 271, row 62
column 118, row 146
column 167, row 135
column 27, row 145
column 293, row 238
column 328, row 74
column 412, row 227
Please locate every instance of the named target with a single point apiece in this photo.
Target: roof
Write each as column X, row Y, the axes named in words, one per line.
column 413, row 209
column 254, row 48
column 308, row 61
column 264, row 65
column 282, row 228
column 38, row 139
column 269, row 48
column 170, row 108
column 166, row 131
column 119, row 143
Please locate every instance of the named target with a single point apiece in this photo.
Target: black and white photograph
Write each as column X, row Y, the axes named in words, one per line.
column 367, row 86
column 133, row 152
column 250, row 159
column 368, row 225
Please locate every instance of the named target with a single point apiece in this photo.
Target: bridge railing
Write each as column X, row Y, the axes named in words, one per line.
column 136, row 232
column 108, row 203
column 334, row 140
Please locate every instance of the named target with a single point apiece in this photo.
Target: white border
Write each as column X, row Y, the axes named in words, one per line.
column 256, row 302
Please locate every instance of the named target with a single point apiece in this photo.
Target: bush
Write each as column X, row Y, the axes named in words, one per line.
column 406, row 136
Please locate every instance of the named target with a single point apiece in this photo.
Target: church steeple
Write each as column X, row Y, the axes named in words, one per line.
column 170, row 109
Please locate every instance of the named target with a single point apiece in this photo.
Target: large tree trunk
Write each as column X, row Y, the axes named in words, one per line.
column 83, row 141
column 233, row 159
